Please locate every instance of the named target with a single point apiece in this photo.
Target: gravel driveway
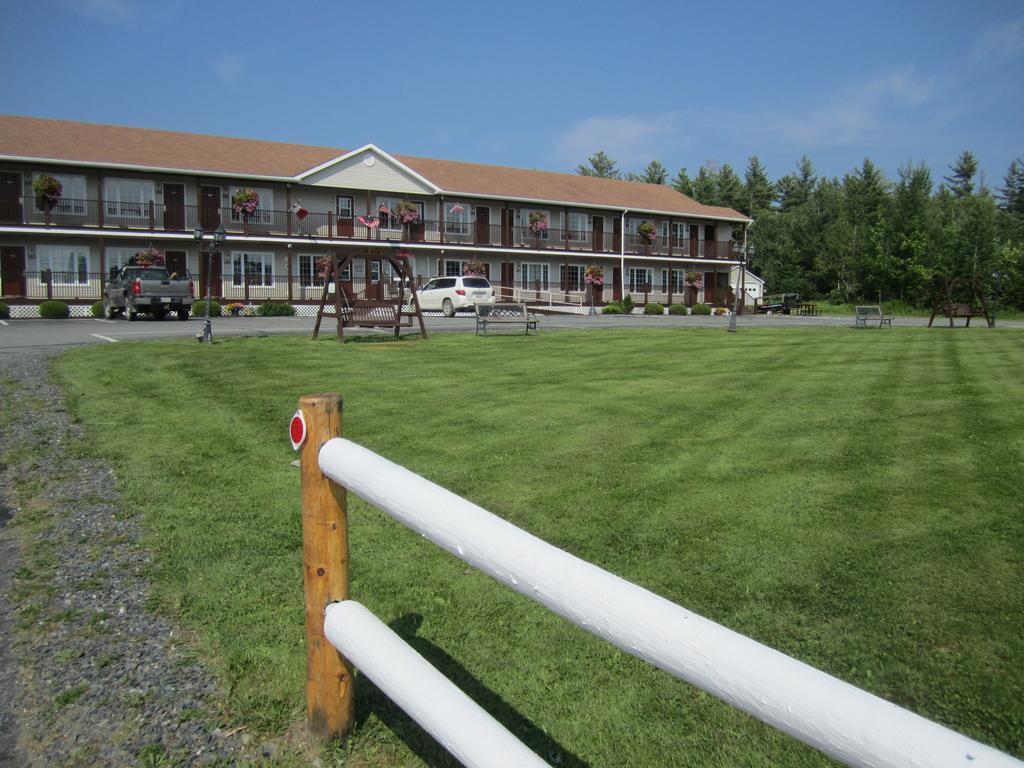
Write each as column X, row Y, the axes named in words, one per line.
column 89, row 675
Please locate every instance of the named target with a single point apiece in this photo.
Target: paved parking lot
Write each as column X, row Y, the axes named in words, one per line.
column 15, row 334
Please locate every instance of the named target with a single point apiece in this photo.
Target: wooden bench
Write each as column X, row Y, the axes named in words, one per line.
column 864, row 314
column 488, row 315
column 377, row 314
column 961, row 310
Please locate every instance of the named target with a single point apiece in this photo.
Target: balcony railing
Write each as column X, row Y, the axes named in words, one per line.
column 153, row 217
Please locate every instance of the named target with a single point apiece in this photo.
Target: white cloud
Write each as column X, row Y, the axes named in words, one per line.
column 852, row 112
column 228, row 68
column 999, row 42
column 632, row 141
column 106, row 11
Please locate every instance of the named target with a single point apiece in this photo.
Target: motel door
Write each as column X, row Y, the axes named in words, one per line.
column 483, row 225
column 214, row 277
column 209, row 208
column 617, row 284
column 508, row 280
column 10, row 198
column 12, row 270
column 174, row 206
column 710, row 287
column 598, row 233
column 176, row 262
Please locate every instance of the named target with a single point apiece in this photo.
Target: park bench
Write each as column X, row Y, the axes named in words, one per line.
column 864, row 314
column 488, row 315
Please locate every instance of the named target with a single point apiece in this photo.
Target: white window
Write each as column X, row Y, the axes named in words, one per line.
column 116, row 257
column 524, row 223
column 453, row 268
column 639, row 279
column 535, row 275
column 127, row 200
column 573, row 279
column 579, row 227
column 678, row 280
column 72, row 195
column 680, row 232
column 68, row 263
column 344, row 207
column 458, row 217
column 308, row 270
column 255, row 268
column 264, row 213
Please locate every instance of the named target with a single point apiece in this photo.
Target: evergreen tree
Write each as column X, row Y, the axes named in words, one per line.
column 705, row 186
column 795, row 189
column 1012, row 191
column 682, row 183
column 759, row 191
column 961, row 182
column 654, row 173
column 600, row 165
column 731, row 192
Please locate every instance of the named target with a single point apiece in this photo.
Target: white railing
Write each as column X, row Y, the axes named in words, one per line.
column 442, row 710
column 535, row 297
column 845, row 722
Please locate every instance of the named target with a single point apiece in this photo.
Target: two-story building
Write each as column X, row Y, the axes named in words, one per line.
column 534, row 232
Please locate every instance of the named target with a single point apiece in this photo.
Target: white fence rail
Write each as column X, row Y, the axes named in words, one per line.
column 458, row 723
column 845, row 722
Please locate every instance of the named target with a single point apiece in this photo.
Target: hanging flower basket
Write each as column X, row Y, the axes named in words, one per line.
column 150, row 257
column 245, row 202
column 594, row 275
column 473, row 269
column 48, row 191
column 693, row 279
column 538, row 223
column 407, row 212
column 647, row 231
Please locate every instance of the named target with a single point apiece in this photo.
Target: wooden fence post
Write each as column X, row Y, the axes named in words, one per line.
column 329, row 680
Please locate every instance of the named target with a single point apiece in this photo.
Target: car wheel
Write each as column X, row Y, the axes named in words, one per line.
column 183, row 314
column 448, row 308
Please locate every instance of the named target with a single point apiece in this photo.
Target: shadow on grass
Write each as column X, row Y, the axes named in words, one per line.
column 370, row 700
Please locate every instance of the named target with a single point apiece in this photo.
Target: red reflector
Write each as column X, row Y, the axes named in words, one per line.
column 297, row 430
column 460, row 291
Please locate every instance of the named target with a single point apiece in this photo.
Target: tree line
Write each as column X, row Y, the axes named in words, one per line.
column 864, row 237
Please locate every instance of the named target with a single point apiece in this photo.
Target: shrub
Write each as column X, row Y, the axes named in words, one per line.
column 54, row 310
column 700, row 309
column 5, row 311
column 678, row 309
column 97, row 309
column 275, row 309
column 654, row 308
column 199, row 308
column 611, row 309
column 627, row 304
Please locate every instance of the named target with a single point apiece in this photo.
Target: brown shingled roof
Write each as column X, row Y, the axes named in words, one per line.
column 148, row 148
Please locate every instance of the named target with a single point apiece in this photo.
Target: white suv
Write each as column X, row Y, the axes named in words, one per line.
column 453, row 293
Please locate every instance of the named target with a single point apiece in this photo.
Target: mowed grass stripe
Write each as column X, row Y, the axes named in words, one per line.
column 844, row 496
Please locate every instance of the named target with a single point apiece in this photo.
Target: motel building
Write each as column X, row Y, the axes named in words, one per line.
column 123, row 190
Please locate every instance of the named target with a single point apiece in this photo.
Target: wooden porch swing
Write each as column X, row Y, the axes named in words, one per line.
column 371, row 313
column 977, row 307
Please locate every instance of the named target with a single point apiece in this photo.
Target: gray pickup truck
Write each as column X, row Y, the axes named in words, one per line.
column 133, row 290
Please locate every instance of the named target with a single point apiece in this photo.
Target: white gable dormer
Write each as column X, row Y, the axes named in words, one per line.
column 368, row 167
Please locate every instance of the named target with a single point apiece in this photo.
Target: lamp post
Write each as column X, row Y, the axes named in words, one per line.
column 739, row 285
column 218, row 240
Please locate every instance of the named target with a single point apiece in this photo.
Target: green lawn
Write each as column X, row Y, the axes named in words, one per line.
column 852, row 498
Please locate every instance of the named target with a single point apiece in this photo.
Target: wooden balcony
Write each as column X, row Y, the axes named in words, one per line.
column 152, row 218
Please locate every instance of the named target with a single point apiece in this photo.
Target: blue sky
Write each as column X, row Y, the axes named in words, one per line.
column 543, row 85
